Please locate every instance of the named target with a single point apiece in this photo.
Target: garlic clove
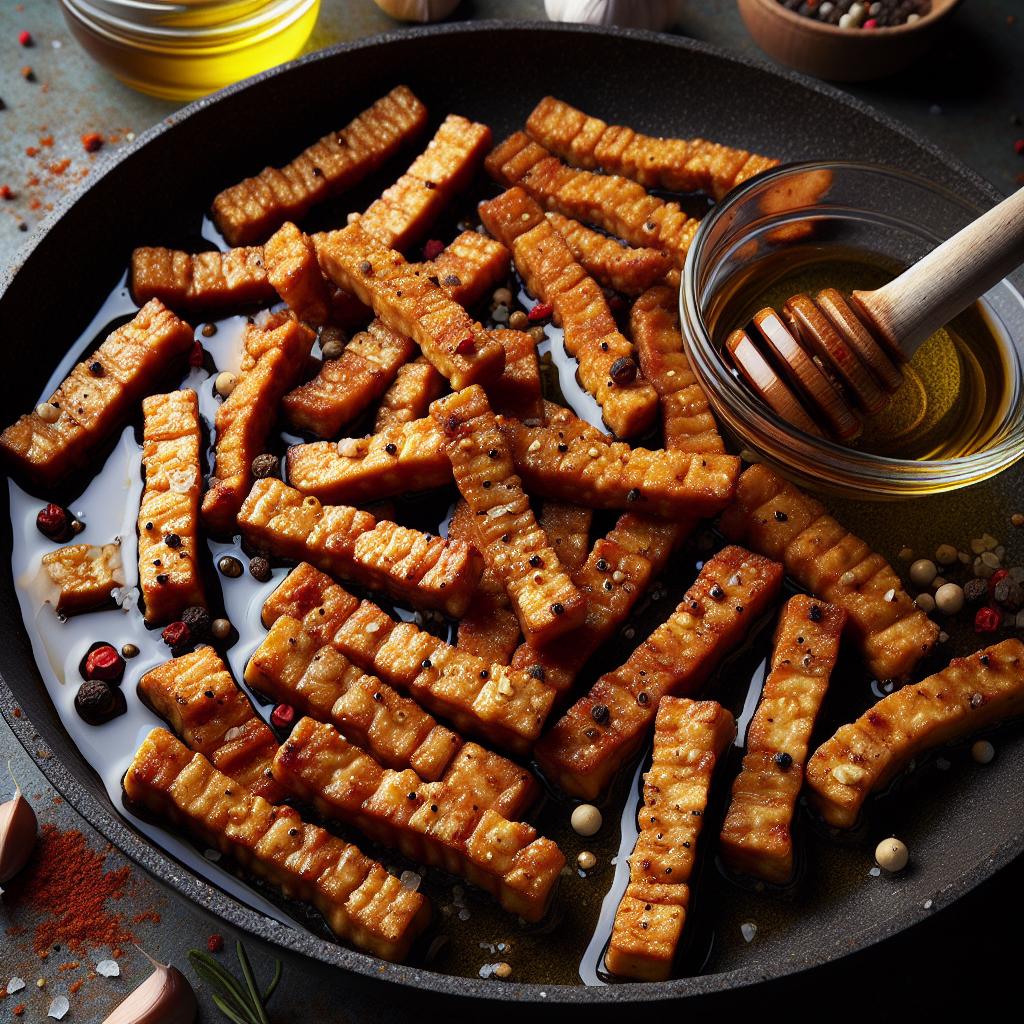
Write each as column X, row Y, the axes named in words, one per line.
column 165, row 997
column 18, row 830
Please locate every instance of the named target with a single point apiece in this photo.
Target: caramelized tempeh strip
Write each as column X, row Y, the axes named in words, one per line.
column 687, row 421
column 249, row 211
column 567, row 461
column 169, row 570
column 678, row 165
column 690, row 738
column 469, row 267
column 584, row 750
column 360, row 901
column 293, row 270
column 82, row 577
column 776, row 518
column 610, row 262
column 756, row 838
column 513, row 545
column 406, row 210
column 201, row 282
column 416, row 385
column 345, row 387
column 863, row 757
column 196, row 696
column 401, row 459
column 415, row 568
column 427, row 821
column 549, row 270
column 615, row 204
column 518, row 392
column 96, row 397
column 409, row 301
column 568, row 530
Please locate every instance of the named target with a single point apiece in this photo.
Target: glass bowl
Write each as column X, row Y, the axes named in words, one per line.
column 803, row 212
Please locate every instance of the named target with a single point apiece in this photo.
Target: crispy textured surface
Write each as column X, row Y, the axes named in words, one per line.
column 571, row 461
column 756, row 838
column 864, row 756
column 406, row 210
column 196, row 696
column 249, row 211
column 734, row 588
column 408, row 398
column 293, row 270
column 517, row 392
column 345, row 387
column 82, row 576
column 776, row 518
column 408, row 300
column 686, row 417
column 359, row 900
column 201, row 282
column 615, row 204
column 401, row 459
column 610, row 262
column 568, row 529
column 550, row 272
column 246, row 416
column 678, row 165
column 412, row 567
column 469, row 267
column 514, row 546
column 96, row 397
column 429, row 822
column 689, row 740
column 169, row 570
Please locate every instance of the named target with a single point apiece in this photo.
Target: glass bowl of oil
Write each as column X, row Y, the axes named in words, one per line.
column 957, row 419
column 184, row 49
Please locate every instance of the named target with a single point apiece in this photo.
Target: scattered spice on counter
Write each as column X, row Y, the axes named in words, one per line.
column 92, row 141
column 215, row 943
column 28, row 74
column 25, row 38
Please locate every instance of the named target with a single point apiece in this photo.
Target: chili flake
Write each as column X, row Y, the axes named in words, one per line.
column 92, row 141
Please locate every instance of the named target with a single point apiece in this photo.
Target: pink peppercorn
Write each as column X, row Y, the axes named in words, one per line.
column 871, row 23
column 215, row 943
column 996, row 577
column 541, row 311
column 104, row 663
column 25, row 38
column 432, row 249
column 283, row 716
column 987, row 620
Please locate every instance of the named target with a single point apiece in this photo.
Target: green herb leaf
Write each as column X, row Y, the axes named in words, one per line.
column 239, row 1000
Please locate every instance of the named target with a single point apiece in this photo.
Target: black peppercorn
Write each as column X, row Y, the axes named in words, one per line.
column 602, row 565
column 558, row 608
column 599, row 713
column 975, row 590
column 633, row 494
column 717, row 593
column 623, row 370
column 97, row 703
column 537, row 672
column 815, row 613
column 784, row 760
column 266, row 465
column 780, row 516
column 172, row 540
column 536, row 561
column 390, row 448
column 493, row 453
column 96, row 368
column 643, row 699
column 259, row 569
column 198, row 621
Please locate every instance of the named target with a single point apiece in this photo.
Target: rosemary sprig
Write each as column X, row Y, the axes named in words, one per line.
column 239, row 1000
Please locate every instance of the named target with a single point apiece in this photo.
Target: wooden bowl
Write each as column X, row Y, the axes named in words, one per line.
column 839, row 54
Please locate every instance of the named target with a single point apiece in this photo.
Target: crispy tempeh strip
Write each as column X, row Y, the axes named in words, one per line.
column 82, row 577
column 514, row 546
column 517, row 392
column 345, row 387
column 615, row 575
column 406, row 210
column 568, row 530
column 490, row 628
column 615, row 204
column 360, row 901
column 583, row 751
column 863, row 757
column 196, row 696
column 549, row 270
column 293, row 270
column 412, row 567
column 415, row 386
column 573, row 462
column 96, row 397
column 201, row 282
column 429, row 822
column 690, row 738
column 611, row 263
column 776, row 518
column 756, row 838
column 245, row 417
column 401, row 459
column 678, row 165
column 170, row 577
column 249, row 211
column 469, row 267
column 408, row 300
column 687, row 421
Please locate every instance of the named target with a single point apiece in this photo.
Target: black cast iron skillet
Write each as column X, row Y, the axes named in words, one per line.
column 962, row 826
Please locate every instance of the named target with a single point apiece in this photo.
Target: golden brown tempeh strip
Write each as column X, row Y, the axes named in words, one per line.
column 203, row 282
column 250, row 211
column 756, row 838
column 517, row 392
column 170, row 576
column 293, row 270
column 678, row 165
column 690, row 738
column 82, row 577
column 568, row 529
column 359, row 900
column 469, row 267
column 776, row 518
column 863, row 757
column 96, row 398
column 416, row 385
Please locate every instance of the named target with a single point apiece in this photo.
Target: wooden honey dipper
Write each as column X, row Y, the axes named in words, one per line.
column 823, row 363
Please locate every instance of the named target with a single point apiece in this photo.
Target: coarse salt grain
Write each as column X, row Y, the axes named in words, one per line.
column 181, row 481
column 372, row 627
column 411, row 880
column 108, row 969
column 847, row 774
column 748, row 930
column 349, row 447
column 233, row 733
column 58, row 1008
column 15, row 985
column 534, row 446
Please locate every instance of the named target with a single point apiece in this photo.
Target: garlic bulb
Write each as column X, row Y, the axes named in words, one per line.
column 165, row 997
column 652, row 14
column 18, row 828
column 417, row 10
